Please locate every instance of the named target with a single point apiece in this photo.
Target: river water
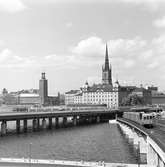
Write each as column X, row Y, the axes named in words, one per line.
column 98, row 142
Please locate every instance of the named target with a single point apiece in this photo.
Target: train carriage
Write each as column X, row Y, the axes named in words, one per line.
column 144, row 117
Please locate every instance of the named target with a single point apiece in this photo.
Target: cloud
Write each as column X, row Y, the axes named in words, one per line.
column 153, row 5
column 129, row 57
column 69, row 24
column 160, row 23
column 12, row 6
column 153, row 65
column 9, row 60
column 90, row 47
column 129, row 63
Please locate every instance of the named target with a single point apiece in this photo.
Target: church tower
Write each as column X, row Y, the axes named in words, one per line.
column 43, row 89
column 106, row 70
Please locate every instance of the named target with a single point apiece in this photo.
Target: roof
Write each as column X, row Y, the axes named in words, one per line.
column 80, row 94
column 72, row 92
column 28, row 95
column 100, row 87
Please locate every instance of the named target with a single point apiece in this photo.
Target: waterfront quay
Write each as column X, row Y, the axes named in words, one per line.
column 148, row 142
column 49, row 163
column 76, row 116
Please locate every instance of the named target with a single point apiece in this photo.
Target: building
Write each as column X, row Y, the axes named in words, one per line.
column 98, row 94
column 106, row 70
column 28, row 98
column 69, row 96
column 32, row 96
column 158, row 98
column 43, row 90
column 104, row 93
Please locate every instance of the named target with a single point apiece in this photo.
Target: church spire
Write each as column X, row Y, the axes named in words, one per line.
column 106, row 70
column 106, row 58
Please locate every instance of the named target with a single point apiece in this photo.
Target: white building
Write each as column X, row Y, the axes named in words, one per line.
column 69, row 96
column 98, row 94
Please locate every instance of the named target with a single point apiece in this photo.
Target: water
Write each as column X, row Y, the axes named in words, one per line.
column 99, row 142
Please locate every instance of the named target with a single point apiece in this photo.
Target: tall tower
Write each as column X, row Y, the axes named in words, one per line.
column 43, row 89
column 106, row 70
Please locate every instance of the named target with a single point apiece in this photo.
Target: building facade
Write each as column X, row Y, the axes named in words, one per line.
column 70, row 95
column 28, row 98
column 98, row 94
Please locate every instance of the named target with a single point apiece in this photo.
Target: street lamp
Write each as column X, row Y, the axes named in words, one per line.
column 30, row 146
column 139, row 159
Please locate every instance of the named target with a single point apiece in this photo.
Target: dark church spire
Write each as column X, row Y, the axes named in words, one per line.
column 106, row 58
column 106, row 71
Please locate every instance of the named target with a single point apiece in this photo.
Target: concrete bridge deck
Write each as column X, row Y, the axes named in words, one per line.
column 48, row 163
column 31, row 115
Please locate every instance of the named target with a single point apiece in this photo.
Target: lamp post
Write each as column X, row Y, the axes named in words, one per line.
column 139, row 159
column 30, row 145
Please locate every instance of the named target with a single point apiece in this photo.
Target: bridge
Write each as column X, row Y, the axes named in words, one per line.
column 149, row 143
column 77, row 117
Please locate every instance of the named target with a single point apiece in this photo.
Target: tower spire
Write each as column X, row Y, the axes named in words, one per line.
column 106, row 70
column 106, row 58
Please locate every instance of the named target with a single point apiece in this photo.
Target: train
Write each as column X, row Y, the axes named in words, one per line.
column 144, row 116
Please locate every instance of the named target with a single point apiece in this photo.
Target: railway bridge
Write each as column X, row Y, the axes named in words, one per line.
column 42, row 119
column 149, row 143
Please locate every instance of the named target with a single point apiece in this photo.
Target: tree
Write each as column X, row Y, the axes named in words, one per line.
column 132, row 99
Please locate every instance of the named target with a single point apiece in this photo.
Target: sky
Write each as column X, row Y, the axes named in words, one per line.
column 66, row 39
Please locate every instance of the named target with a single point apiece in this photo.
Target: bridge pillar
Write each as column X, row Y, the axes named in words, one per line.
column 98, row 119
column 143, row 150
column 44, row 123
column 38, row 123
column 25, row 125
column 135, row 140
column 18, row 125
column 64, row 121
column 90, row 120
column 56, row 122
column 3, row 127
column 75, row 120
column 50, row 123
column 35, row 124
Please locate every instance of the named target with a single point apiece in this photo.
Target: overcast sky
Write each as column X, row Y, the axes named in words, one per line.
column 66, row 39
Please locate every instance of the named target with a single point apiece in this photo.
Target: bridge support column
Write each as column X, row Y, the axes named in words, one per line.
column 44, row 123
column 56, row 122
column 38, row 123
column 35, row 124
column 50, row 123
column 18, row 125
column 75, row 120
column 64, row 121
column 3, row 128
column 131, row 136
column 90, row 120
column 142, row 150
column 98, row 119
column 25, row 125
column 135, row 140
